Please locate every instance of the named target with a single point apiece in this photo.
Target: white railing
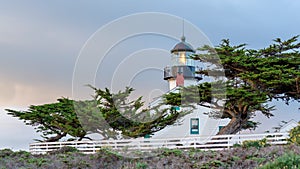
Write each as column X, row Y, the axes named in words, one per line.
column 218, row 142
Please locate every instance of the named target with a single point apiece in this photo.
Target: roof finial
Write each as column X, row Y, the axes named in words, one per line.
column 183, row 37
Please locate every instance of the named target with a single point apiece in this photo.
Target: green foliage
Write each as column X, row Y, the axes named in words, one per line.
column 58, row 119
column 5, row 153
column 236, row 145
column 109, row 152
column 141, row 165
column 111, row 115
column 255, row 143
column 213, row 163
column 254, row 77
column 39, row 162
column 64, row 150
column 258, row 160
column 288, row 160
column 235, row 158
column 294, row 135
column 128, row 116
column 192, row 152
column 22, row 153
column 175, row 152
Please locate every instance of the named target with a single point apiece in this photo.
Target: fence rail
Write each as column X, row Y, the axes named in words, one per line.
column 218, row 142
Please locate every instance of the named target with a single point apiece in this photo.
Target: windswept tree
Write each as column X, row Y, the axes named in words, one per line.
column 130, row 118
column 110, row 115
column 54, row 121
column 253, row 78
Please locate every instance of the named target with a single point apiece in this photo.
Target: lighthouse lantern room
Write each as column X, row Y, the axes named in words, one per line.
column 182, row 69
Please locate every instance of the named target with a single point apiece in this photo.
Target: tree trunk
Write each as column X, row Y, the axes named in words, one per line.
column 234, row 126
column 56, row 138
column 80, row 139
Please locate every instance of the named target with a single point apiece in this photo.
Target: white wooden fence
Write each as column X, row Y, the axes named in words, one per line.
column 218, row 142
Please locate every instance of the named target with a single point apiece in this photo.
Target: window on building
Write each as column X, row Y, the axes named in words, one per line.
column 194, row 125
column 177, row 108
column 220, row 127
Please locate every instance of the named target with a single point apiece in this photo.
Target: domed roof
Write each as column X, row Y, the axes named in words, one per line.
column 183, row 46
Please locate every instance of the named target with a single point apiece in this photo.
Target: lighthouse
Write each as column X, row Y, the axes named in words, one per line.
column 183, row 72
column 182, row 69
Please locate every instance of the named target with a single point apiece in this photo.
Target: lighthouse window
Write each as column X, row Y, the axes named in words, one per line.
column 182, row 58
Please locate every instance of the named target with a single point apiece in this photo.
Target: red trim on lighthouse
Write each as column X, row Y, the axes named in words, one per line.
column 179, row 80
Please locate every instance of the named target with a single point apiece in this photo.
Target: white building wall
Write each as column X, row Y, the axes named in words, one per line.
column 288, row 126
column 172, row 84
column 207, row 126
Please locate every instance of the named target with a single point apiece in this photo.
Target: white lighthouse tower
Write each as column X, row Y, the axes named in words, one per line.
column 182, row 70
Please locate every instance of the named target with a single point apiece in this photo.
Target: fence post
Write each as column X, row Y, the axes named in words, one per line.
column 94, row 147
column 228, row 145
column 139, row 145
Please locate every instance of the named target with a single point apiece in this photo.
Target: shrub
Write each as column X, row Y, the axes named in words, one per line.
column 295, row 135
column 255, row 143
column 65, row 149
column 141, row 165
column 213, row 164
column 236, row 145
column 5, row 153
column 108, row 152
column 288, row 160
column 176, row 152
column 21, row 154
column 37, row 161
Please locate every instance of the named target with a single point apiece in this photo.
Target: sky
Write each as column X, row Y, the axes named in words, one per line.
column 43, row 44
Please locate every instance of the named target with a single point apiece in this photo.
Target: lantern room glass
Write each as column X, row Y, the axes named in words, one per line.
column 182, row 58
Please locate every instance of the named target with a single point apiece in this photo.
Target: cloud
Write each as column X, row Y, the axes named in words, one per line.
column 25, row 94
column 36, row 56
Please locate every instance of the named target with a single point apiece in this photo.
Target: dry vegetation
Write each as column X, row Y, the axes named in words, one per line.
column 238, row 157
